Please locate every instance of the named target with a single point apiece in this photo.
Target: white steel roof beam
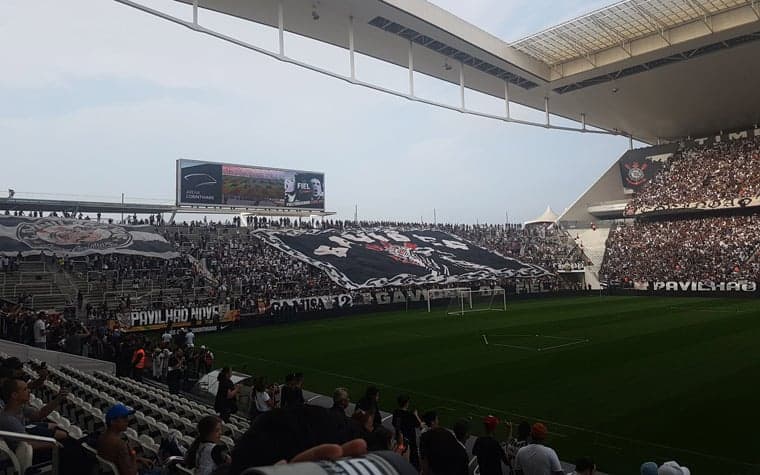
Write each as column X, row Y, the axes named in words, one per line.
column 575, row 47
column 706, row 16
column 611, row 32
column 654, row 22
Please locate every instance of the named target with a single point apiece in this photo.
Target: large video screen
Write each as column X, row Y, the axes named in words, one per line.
column 222, row 184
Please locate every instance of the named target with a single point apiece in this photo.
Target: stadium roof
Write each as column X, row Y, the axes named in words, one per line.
column 650, row 69
column 618, row 25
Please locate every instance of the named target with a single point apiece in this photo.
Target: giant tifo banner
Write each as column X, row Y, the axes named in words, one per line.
column 241, row 186
column 385, row 257
column 195, row 317
column 72, row 237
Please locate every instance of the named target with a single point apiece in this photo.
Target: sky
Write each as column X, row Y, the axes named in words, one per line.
column 98, row 99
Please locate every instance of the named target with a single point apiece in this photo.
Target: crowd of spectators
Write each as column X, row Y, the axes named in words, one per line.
column 721, row 170
column 709, row 249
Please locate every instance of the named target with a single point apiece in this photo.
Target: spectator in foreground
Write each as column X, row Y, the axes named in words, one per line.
column 536, row 458
column 584, row 466
column 441, row 454
column 406, row 423
column 206, row 454
column 488, row 450
column 114, row 449
column 300, row 434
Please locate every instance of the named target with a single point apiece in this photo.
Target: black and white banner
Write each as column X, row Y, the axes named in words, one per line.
column 687, row 286
column 371, row 258
column 141, row 320
column 72, row 237
column 373, row 297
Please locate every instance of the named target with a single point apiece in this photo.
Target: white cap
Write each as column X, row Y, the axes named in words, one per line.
column 672, row 468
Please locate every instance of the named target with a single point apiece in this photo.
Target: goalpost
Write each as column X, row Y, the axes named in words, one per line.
column 481, row 300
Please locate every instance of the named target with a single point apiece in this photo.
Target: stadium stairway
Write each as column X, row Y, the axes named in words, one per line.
column 38, row 279
column 594, row 243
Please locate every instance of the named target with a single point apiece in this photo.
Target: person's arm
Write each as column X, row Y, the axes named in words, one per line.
column 42, row 375
column 231, row 393
column 45, row 410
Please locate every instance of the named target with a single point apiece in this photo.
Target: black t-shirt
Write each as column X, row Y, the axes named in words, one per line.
column 291, row 397
column 406, row 423
column 490, row 455
column 222, row 401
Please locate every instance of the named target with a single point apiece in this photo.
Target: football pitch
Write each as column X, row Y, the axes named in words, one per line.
column 622, row 379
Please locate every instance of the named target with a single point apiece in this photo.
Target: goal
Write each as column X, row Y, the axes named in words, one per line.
column 467, row 300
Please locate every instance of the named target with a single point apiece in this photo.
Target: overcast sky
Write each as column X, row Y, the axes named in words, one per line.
column 97, row 99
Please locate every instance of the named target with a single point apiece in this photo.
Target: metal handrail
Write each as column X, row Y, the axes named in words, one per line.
column 35, row 438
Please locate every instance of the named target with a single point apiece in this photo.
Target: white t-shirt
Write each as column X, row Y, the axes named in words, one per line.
column 190, row 339
column 166, row 337
column 537, row 459
column 39, row 331
column 261, row 401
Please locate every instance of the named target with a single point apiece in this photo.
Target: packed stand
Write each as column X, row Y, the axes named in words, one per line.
column 722, row 170
column 711, row 249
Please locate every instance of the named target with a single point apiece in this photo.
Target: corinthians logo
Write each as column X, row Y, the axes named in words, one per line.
column 72, row 236
column 636, row 175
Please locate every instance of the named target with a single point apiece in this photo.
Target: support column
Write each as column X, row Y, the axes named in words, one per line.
column 546, row 107
column 506, row 98
column 461, row 84
column 281, row 27
column 351, row 57
column 411, row 69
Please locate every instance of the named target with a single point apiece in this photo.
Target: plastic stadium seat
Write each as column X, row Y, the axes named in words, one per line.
column 106, row 466
column 75, row 432
column 54, row 416
column 24, row 455
column 6, row 454
column 227, row 441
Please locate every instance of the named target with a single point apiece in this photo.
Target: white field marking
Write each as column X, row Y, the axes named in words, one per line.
column 528, row 348
column 608, row 446
column 545, row 348
column 493, row 410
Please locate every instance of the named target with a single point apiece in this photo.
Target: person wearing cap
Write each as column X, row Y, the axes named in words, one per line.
column 488, row 450
column 111, row 446
column 536, row 458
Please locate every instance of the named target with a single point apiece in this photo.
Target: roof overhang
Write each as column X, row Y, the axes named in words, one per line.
column 652, row 103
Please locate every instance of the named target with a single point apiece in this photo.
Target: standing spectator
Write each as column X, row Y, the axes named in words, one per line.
column 138, row 362
column 516, row 443
column 166, row 338
column 206, row 454
column 176, row 365
column 488, row 450
column 292, row 394
column 40, row 331
column 262, row 401
column 190, row 338
column 536, row 458
column 406, row 424
column 226, row 394
column 441, row 454
column 461, row 431
column 370, row 402
column 207, row 359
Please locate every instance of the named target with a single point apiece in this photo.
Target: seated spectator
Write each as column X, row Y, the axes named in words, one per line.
column 206, row 454
column 488, row 450
column 113, row 448
column 17, row 415
column 262, row 401
column 430, row 421
column 536, row 458
column 441, row 454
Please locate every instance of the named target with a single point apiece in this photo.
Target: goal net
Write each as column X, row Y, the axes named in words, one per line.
column 467, row 300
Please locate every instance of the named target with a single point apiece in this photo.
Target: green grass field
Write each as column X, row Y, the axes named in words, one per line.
column 644, row 378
